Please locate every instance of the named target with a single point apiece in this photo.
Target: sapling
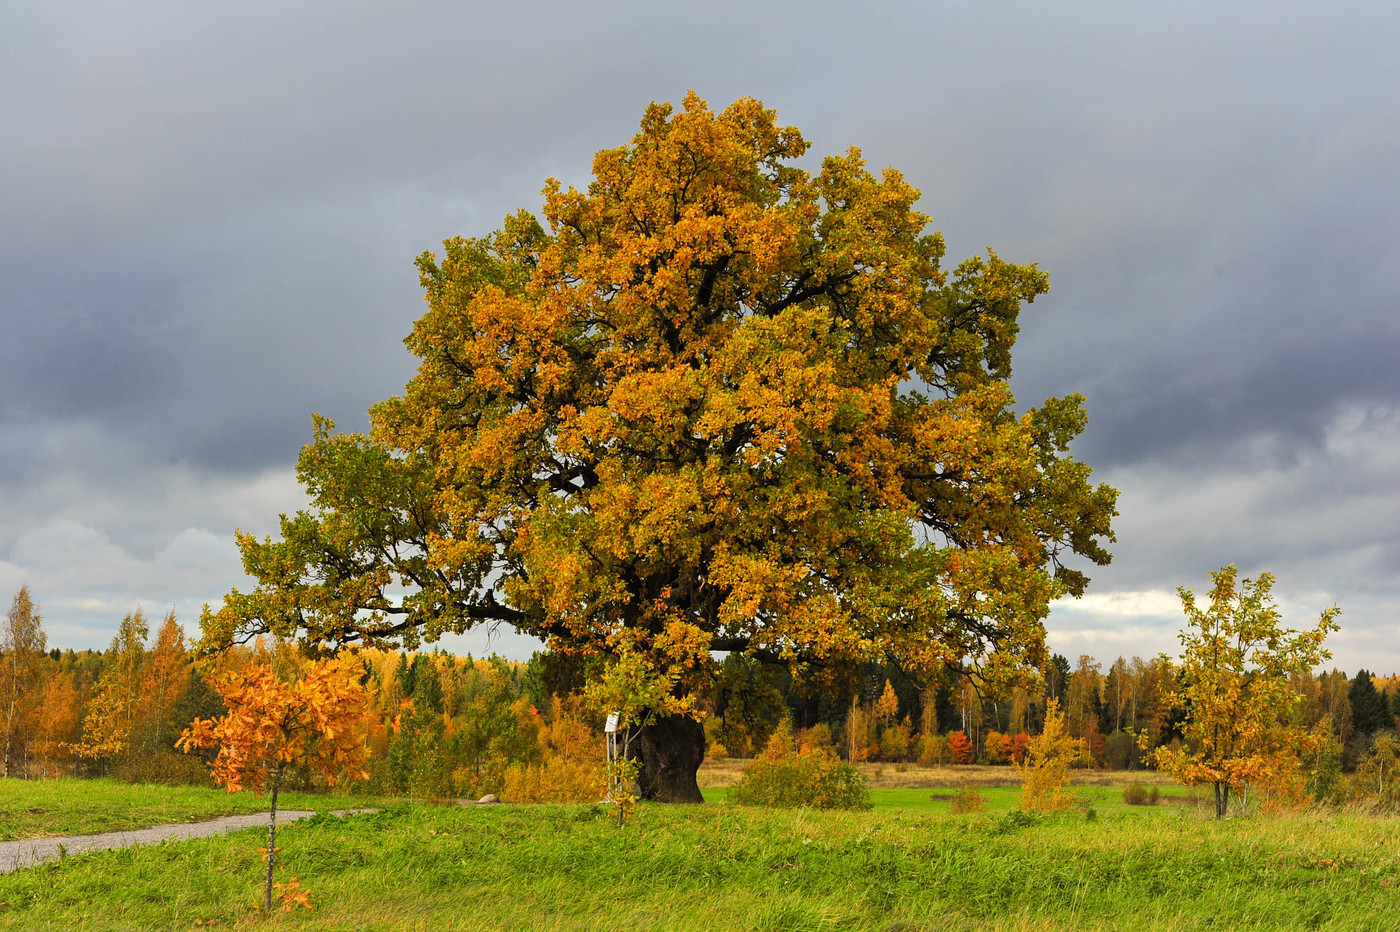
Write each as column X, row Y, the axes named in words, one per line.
column 273, row 725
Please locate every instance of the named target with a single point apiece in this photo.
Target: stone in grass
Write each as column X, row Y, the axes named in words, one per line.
column 490, row 799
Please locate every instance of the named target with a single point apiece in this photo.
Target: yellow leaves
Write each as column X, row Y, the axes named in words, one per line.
column 1049, row 756
column 689, row 401
column 1235, row 667
column 887, row 706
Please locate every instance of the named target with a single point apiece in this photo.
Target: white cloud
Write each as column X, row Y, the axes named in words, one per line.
column 94, row 560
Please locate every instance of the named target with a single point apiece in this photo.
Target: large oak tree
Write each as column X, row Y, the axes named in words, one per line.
column 713, row 403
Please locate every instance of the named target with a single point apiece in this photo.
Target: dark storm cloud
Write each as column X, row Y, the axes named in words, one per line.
column 1293, row 320
column 208, row 217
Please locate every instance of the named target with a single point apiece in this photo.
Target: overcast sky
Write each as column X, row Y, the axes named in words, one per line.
column 209, row 212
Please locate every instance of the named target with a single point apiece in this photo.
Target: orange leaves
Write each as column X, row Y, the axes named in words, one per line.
column 318, row 720
column 961, row 747
column 293, row 894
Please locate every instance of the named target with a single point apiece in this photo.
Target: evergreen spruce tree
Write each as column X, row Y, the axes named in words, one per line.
column 1369, row 713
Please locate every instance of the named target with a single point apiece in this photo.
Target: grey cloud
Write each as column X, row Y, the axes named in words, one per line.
column 208, row 218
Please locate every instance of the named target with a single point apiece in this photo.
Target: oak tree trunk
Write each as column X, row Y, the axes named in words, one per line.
column 669, row 752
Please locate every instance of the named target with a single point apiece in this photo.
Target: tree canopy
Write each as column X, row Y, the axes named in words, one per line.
column 715, row 402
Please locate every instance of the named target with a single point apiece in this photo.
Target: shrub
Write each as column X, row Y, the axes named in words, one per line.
column 894, row 742
column 557, row 780
column 784, row 777
column 967, row 800
column 1121, row 751
column 1138, row 795
column 163, row 766
column 818, row 738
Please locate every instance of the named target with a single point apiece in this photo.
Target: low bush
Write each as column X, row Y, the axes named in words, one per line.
column 163, row 766
column 967, row 800
column 783, row 776
column 1138, row 795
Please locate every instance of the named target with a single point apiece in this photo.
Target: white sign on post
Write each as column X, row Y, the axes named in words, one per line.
column 611, row 726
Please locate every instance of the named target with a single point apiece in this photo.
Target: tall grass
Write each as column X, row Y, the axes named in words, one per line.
column 726, row 867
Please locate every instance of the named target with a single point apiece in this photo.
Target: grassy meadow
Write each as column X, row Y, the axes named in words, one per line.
column 908, row 865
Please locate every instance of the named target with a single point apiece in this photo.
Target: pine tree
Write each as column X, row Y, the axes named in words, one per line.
column 1369, row 712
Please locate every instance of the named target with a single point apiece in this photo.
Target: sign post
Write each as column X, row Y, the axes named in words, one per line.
column 614, row 753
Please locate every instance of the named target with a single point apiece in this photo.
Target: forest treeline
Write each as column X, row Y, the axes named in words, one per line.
column 450, row 726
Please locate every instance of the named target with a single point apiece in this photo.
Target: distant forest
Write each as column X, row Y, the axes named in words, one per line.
column 449, row 726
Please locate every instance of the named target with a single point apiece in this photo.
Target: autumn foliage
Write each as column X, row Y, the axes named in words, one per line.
column 714, row 402
column 960, row 747
column 1237, row 661
column 786, row 775
column 1049, row 757
column 272, row 725
column 21, row 646
column 570, row 764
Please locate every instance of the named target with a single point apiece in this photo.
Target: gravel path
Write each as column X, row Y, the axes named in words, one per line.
column 28, row 852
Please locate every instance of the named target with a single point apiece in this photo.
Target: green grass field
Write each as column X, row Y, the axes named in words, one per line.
column 69, row 806
column 909, row 865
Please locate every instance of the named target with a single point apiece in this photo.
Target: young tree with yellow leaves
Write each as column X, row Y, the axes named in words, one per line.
column 1048, row 758
column 713, row 399
column 113, row 712
column 21, row 647
column 273, row 724
column 1234, row 684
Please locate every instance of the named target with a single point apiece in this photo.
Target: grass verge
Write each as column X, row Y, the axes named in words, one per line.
column 69, row 806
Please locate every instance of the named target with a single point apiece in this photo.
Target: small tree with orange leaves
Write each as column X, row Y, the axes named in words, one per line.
column 273, row 725
column 961, row 747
